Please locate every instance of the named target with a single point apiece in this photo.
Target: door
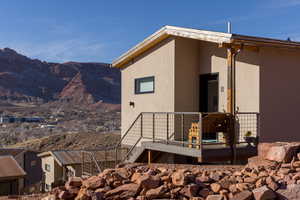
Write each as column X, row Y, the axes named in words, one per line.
column 209, row 93
column 209, row 99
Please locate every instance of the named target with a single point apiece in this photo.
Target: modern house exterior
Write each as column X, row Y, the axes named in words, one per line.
column 183, row 70
column 58, row 166
column 29, row 162
column 11, row 176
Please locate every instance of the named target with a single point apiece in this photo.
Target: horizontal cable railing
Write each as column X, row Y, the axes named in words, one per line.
column 187, row 129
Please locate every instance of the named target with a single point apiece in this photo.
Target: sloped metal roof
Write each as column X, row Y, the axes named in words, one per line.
column 10, row 151
column 68, row 157
column 9, row 168
column 203, row 35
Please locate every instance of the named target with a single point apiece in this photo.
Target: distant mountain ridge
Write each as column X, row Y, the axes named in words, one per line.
column 30, row 80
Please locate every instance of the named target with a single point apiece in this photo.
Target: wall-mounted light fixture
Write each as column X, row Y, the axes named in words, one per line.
column 131, row 103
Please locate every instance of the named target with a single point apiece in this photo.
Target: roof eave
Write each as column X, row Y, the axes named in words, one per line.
column 260, row 41
column 165, row 32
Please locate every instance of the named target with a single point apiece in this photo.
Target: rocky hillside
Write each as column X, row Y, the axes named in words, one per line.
column 275, row 175
column 26, row 80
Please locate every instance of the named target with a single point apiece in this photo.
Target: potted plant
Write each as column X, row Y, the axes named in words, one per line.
column 249, row 138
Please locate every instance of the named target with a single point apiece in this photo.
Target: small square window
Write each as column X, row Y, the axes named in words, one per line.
column 47, row 167
column 33, row 163
column 144, row 85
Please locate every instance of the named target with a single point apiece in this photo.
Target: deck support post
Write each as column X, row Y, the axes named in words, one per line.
column 230, row 80
column 149, row 157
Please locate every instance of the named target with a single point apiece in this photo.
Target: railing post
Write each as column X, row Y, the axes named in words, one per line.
column 200, row 134
column 153, row 127
column 167, row 128
column 117, row 155
column 257, row 125
column 141, row 124
column 182, row 129
column 82, row 157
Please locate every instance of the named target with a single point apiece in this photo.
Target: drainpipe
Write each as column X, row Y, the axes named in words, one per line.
column 234, row 80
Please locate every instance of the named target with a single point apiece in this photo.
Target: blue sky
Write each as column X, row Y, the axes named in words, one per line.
column 101, row 30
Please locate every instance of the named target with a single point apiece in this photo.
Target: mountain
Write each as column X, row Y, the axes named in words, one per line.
column 30, row 80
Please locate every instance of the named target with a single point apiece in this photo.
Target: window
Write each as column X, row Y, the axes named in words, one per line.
column 47, row 187
column 33, row 163
column 47, row 167
column 144, row 85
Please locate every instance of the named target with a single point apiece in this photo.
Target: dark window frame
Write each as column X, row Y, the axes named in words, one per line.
column 137, row 82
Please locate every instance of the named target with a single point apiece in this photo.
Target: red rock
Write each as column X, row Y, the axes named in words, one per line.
column 148, row 182
column 244, row 195
column 82, row 195
column 204, row 192
column 136, row 176
column 214, row 197
column 292, row 192
column 156, row 193
column 180, row 178
column 65, row 195
column 215, row 187
column 74, row 181
column 263, row 193
column 282, row 152
column 190, row 190
column 130, row 189
column 94, row 182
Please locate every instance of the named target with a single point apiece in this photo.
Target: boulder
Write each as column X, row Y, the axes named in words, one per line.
column 94, row 182
column 83, row 194
column 291, row 192
column 156, row 193
column 49, row 197
column 130, row 190
column 190, row 190
column 204, row 192
column 282, row 152
column 74, row 181
column 263, row 193
column 148, row 182
column 215, row 187
column 214, row 197
column 244, row 195
column 65, row 195
column 179, row 178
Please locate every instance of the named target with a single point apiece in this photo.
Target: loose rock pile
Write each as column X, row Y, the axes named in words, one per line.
column 261, row 179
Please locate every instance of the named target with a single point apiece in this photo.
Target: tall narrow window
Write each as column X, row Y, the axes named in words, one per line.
column 144, row 85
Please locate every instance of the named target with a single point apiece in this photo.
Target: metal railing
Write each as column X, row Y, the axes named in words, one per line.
column 95, row 161
column 173, row 128
column 247, row 125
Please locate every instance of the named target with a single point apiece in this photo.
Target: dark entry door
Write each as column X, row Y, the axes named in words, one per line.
column 209, row 93
column 209, row 99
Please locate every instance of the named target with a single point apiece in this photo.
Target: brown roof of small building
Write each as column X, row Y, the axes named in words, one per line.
column 9, row 168
column 64, row 157
column 10, row 151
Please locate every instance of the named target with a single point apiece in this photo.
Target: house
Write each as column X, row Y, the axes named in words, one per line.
column 29, row 162
column 11, row 176
column 174, row 80
column 58, row 166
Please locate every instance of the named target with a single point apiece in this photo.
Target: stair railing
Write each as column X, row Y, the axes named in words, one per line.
column 119, row 145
